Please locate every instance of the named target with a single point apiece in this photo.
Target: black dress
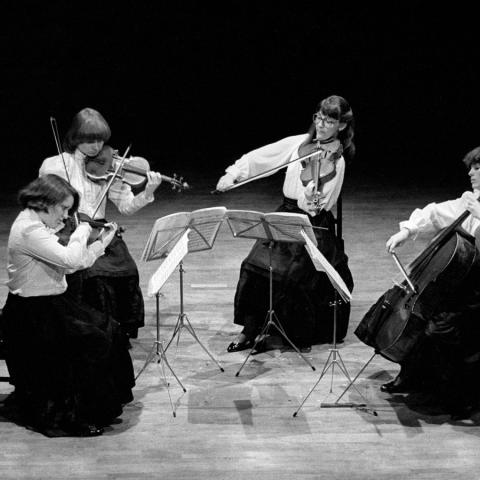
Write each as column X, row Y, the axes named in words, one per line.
column 302, row 296
column 111, row 285
column 68, row 363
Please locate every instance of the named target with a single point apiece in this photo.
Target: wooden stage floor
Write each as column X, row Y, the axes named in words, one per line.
column 229, row 427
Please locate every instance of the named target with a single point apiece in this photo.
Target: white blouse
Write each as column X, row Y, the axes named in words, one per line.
column 37, row 263
column 280, row 153
column 436, row 216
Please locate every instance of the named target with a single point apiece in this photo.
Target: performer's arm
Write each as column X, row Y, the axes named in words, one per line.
column 40, row 243
column 260, row 160
column 432, row 218
column 127, row 203
column 426, row 221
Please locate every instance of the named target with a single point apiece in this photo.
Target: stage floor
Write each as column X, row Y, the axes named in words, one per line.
column 238, row 427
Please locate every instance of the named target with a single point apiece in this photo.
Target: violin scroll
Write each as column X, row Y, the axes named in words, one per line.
column 178, row 184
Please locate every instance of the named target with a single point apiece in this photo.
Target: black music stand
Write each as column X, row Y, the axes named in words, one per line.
column 199, row 228
column 272, row 227
column 334, row 358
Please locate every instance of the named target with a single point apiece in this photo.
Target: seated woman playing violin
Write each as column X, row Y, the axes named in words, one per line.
column 112, row 283
column 68, row 362
column 301, row 294
column 448, row 355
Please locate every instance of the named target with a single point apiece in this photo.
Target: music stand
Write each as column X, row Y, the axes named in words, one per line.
column 273, row 227
column 157, row 351
column 201, row 228
column 408, row 284
column 334, row 358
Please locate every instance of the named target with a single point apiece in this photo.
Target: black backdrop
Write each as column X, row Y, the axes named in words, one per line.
column 194, row 85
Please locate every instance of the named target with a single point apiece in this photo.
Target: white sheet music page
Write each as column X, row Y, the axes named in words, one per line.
column 204, row 224
column 287, row 226
column 247, row 224
column 323, row 265
column 163, row 272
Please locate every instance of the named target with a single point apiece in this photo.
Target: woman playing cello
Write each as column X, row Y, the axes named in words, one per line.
column 447, row 354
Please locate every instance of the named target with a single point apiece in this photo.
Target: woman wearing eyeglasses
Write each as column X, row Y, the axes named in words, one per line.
column 301, row 295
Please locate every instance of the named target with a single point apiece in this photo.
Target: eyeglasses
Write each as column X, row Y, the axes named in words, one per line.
column 327, row 121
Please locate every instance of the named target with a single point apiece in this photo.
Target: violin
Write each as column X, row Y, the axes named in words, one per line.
column 320, row 168
column 312, row 167
column 71, row 224
column 133, row 171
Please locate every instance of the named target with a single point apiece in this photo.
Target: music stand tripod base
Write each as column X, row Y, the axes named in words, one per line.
column 271, row 319
column 352, row 383
column 334, row 358
column 184, row 323
column 158, row 352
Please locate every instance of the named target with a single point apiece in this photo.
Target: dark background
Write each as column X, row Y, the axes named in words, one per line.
column 192, row 86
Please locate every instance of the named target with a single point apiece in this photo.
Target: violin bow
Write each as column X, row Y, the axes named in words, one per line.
column 109, row 184
column 56, row 137
column 271, row 170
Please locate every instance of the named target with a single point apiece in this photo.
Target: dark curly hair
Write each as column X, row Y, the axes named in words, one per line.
column 46, row 191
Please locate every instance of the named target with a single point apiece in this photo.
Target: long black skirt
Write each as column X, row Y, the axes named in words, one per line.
column 112, row 286
column 68, row 363
column 302, row 296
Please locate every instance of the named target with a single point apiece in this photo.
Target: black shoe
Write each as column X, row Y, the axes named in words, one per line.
column 239, row 346
column 88, row 430
column 397, row 386
column 461, row 412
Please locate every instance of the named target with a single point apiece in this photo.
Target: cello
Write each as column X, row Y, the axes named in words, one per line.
column 397, row 321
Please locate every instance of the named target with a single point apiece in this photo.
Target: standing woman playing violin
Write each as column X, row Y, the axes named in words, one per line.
column 301, row 294
column 112, row 283
column 446, row 359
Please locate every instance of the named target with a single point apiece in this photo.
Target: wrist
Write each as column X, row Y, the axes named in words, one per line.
column 233, row 172
column 149, row 194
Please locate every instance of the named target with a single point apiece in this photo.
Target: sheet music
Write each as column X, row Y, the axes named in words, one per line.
column 163, row 272
column 247, row 224
column 204, row 224
column 323, row 265
column 287, row 226
column 165, row 233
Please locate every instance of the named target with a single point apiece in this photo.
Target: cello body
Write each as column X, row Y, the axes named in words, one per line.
column 397, row 321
